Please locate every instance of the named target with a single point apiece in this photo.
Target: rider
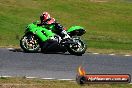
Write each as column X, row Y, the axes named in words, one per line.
column 47, row 20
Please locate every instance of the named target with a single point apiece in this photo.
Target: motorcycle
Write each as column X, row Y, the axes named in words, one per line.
column 47, row 39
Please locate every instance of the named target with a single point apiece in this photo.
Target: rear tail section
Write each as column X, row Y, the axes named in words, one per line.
column 76, row 31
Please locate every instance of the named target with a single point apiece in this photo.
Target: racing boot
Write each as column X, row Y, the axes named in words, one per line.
column 64, row 35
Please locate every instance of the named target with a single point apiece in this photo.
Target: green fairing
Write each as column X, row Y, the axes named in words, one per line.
column 38, row 31
column 74, row 28
column 42, row 31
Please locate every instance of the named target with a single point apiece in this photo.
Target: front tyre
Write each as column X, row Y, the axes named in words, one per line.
column 78, row 48
column 29, row 43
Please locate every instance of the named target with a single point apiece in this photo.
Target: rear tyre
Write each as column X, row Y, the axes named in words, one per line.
column 77, row 49
column 29, row 43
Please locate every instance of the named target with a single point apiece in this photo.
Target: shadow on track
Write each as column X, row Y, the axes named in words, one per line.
column 20, row 50
column 16, row 50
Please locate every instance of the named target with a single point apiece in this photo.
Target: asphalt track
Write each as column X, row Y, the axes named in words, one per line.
column 60, row 66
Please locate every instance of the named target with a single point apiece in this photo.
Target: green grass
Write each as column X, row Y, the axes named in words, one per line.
column 108, row 24
column 37, row 83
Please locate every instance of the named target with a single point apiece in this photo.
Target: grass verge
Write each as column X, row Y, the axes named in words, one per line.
column 38, row 83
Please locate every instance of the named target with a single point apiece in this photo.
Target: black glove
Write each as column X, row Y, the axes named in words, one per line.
column 39, row 24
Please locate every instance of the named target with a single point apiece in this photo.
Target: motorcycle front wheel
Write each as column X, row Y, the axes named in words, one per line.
column 29, row 43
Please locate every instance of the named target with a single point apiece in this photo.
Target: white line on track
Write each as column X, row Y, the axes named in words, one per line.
column 10, row 48
column 92, row 53
column 6, row 76
column 48, row 78
column 66, row 79
column 112, row 54
column 30, row 77
column 95, row 53
column 127, row 55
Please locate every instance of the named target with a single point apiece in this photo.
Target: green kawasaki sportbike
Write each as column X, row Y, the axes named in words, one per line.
column 46, row 39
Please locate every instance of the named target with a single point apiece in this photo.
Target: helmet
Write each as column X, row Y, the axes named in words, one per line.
column 45, row 16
